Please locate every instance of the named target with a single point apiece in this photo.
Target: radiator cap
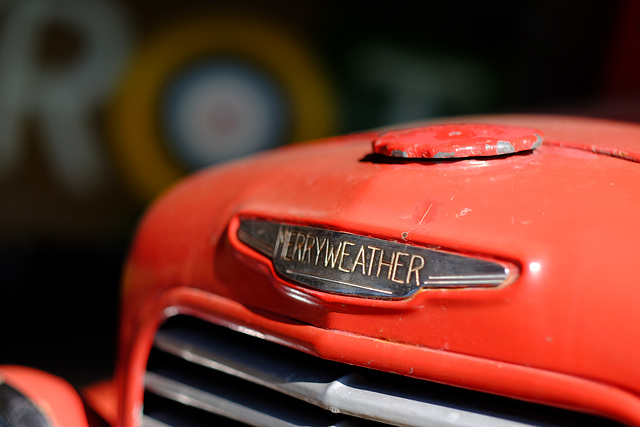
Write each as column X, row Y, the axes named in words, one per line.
column 457, row 141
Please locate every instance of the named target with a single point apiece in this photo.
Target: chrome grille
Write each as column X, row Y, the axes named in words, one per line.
column 202, row 374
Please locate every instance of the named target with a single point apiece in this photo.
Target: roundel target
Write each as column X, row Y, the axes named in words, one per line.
column 221, row 109
column 212, row 88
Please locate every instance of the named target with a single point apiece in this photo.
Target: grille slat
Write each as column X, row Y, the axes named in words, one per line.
column 247, row 408
column 297, row 377
column 261, row 383
column 152, row 422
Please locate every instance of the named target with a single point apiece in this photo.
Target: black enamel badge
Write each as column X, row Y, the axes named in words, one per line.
column 350, row 264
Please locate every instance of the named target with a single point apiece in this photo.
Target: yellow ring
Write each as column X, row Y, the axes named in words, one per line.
column 131, row 119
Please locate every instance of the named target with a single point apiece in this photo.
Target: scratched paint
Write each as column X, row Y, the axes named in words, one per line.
column 457, row 141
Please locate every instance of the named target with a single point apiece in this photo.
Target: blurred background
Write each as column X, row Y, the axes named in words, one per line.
column 105, row 103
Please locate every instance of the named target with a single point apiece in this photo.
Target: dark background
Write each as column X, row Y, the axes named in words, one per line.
column 61, row 255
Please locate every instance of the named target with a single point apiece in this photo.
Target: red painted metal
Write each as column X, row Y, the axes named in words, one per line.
column 457, row 140
column 564, row 333
column 102, row 398
column 56, row 398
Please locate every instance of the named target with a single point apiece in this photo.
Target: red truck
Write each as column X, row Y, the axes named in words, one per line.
column 479, row 271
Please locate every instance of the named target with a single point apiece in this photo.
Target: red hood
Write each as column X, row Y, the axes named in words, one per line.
column 568, row 218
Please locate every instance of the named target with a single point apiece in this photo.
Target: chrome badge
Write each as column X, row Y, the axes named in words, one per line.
column 350, row 264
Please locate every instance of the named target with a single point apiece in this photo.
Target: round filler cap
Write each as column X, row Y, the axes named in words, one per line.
column 457, row 141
